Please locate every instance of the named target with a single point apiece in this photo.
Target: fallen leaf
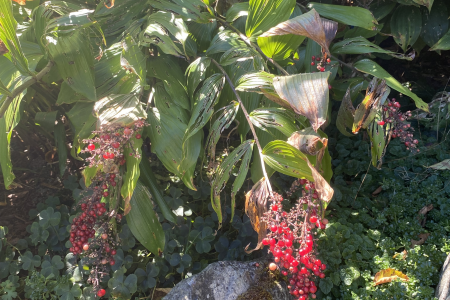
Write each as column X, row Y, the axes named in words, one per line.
column 50, row 155
column 422, row 238
column 311, row 25
column 388, row 275
column 377, row 191
column 255, row 207
column 307, row 93
column 443, row 165
column 404, row 254
column 422, row 214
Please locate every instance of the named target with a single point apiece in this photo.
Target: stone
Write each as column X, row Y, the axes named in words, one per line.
column 443, row 288
column 231, row 280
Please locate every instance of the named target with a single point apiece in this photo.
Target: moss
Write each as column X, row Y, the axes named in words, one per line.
column 260, row 291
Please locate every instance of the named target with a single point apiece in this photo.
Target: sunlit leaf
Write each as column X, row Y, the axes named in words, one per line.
column 223, row 172
column 309, row 25
column 376, row 94
column 280, row 47
column 406, row 24
column 242, row 53
column 323, row 188
column 273, row 117
column 133, row 59
column 443, row 43
column 237, row 10
column 143, row 222
column 388, row 275
column 346, row 114
column 371, row 67
column 187, row 9
column 308, row 141
column 166, row 105
column 443, row 165
column 263, row 15
column 307, row 94
column 359, row 45
column 133, row 155
column 286, row 159
column 119, row 109
column 379, row 139
column 350, row 15
column 196, row 73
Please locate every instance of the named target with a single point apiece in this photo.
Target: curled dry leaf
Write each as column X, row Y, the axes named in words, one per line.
column 3, row 49
column 308, row 141
column 255, row 207
column 376, row 94
column 404, row 254
column 443, row 165
column 377, row 191
column 346, row 114
column 388, row 275
column 307, row 93
column 322, row 31
column 422, row 215
column 422, row 238
column 323, row 189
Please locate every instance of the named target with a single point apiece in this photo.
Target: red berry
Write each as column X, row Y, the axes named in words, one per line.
column 85, row 247
column 313, row 219
column 111, row 155
column 265, row 242
column 381, row 123
column 115, row 145
column 91, row 147
column 113, row 252
column 104, row 236
column 101, row 293
column 313, row 63
column 106, row 155
column 274, row 207
column 112, row 176
column 127, row 131
column 328, row 60
column 105, row 194
column 318, row 262
column 322, row 275
column 313, row 57
column 273, row 228
column 318, row 58
column 272, row 267
column 322, row 69
column 112, row 262
column 138, row 136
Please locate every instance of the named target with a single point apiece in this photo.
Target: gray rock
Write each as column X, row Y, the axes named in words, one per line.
column 443, row 288
column 230, row 280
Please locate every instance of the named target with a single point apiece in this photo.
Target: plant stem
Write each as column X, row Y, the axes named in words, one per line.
column 247, row 117
column 248, row 42
column 24, row 85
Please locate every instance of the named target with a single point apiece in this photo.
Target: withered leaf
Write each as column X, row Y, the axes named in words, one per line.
column 388, row 275
column 308, row 141
column 3, row 49
column 376, row 94
column 380, row 136
column 422, row 215
column 307, row 93
column 323, row 189
column 377, row 191
column 443, row 165
column 255, row 207
column 422, row 238
column 322, row 31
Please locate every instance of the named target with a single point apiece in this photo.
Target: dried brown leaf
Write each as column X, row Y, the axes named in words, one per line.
column 422, row 238
column 308, row 141
column 377, row 191
column 307, row 93
column 255, row 207
column 404, row 254
column 346, row 114
column 422, row 214
column 323, row 189
column 322, row 31
column 3, row 49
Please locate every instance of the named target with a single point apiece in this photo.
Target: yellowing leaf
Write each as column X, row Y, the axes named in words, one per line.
column 443, row 165
column 388, row 275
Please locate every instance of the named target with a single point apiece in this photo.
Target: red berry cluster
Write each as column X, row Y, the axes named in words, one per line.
column 321, row 62
column 109, row 143
column 291, row 241
column 101, row 293
column 400, row 128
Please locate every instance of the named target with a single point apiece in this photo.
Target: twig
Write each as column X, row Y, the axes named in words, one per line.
column 249, row 123
column 248, row 42
column 25, row 85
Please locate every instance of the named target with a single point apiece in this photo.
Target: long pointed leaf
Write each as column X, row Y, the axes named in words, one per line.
column 223, row 172
column 273, row 117
column 133, row 156
column 196, row 73
column 263, row 15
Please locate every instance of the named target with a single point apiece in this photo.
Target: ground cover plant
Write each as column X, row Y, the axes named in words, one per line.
column 187, row 132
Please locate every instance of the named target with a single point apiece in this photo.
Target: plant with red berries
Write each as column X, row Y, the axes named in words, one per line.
column 291, row 239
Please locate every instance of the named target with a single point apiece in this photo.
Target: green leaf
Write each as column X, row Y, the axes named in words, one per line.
column 443, row 43
column 379, row 138
column 427, row 3
column 406, row 24
column 119, row 109
column 148, row 179
column 237, row 10
column 205, row 100
column 122, row 286
column 187, row 9
column 274, row 117
column 223, row 172
column 382, row 9
column 166, row 105
column 434, row 23
column 52, row 267
column 143, row 221
column 29, row 261
column 325, row 285
column 350, row 15
column 286, row 159
column 346, row 114
column 242, row 53
column 263, row 15
column 65, row 292
column 146, row 278
column 8, row 35
column 49, row 217
column 308, row 95
column 280, row 47
column 196, row 73
column 5, row 155
column 371, row 67
column 74, row 60
column 133, row 59
column 359, row 45
column 133, row 156
column 349, row 274
column 220, row 124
